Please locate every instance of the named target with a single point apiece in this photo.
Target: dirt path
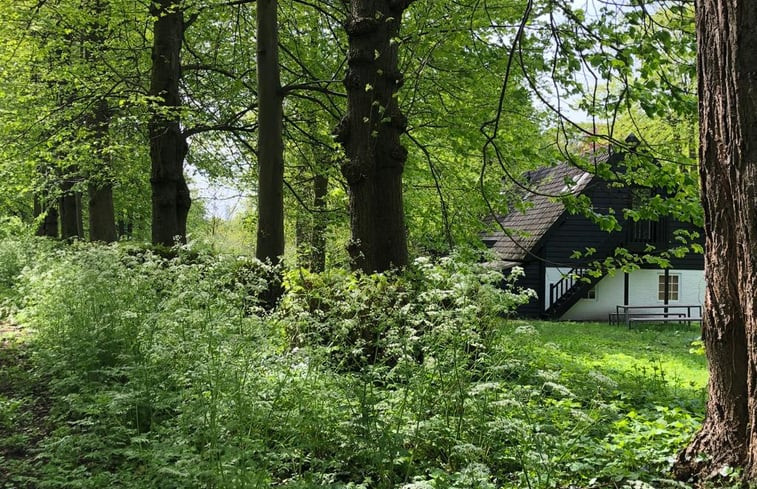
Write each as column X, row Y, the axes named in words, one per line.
column 24, row 408
column 9, row 333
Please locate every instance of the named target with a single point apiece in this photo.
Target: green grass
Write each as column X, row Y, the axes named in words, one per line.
column 664, row 349
column 147, row 373
column 624, row 428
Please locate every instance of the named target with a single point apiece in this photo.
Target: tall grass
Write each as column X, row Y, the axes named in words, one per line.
column 165, row 374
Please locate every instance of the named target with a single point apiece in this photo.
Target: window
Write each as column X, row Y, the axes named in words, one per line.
column 591, row 294
column 644, row 230
column 673, row 287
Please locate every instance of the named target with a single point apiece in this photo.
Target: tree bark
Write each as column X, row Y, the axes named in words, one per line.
column 302, row 232
column 102, row 221
column 71, row 226
column 727, row 46
column 102, row 216
column 370, row 134
column 168, row 146
column 49, row 225
column 311, row 225
column 270, row 236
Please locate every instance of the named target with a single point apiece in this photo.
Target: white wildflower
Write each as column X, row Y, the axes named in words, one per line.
column 603, row 380
column 526, row 330
column 557, row 389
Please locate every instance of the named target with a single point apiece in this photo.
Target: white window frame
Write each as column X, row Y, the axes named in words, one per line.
column 661, row 292
column 593, row 299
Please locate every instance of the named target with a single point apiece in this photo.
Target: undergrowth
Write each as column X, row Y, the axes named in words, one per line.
column 163, row 373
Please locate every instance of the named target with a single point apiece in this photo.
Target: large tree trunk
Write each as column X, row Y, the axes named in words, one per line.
column 71, row 226
column 727, row 45
column 102, row 216
column 270, row 237
column 168, row 146
column 370, row 134
column 102, row 221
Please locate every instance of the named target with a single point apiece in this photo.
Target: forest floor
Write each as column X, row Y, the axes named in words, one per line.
column 24, row 407
column 659, row 358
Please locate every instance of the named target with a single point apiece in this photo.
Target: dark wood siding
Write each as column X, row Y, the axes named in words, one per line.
column 533, row 279
column 575, row 232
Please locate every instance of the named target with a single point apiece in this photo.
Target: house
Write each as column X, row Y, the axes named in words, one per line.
column 544, row 237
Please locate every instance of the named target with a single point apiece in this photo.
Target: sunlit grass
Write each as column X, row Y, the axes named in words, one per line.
column 666, row 349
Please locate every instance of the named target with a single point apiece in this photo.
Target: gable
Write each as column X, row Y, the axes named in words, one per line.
column 524, row 230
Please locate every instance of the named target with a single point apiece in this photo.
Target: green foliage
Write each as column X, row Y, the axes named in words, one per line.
column 18, row 249
column 162, row 372
column 454, row 57
column 392, row 318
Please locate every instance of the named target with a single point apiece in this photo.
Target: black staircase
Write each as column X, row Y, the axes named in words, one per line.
column 564, row 293
column 578, row 281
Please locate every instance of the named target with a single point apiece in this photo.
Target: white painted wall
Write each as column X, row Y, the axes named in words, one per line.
column 642, row 285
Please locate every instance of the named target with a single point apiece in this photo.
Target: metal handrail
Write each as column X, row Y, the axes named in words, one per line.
column 558, row 289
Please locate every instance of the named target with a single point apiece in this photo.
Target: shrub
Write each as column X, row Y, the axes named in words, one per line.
column 385, row 318
column 18, row 249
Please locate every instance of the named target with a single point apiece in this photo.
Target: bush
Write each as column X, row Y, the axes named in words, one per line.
column 18, row 249
column 385, row 318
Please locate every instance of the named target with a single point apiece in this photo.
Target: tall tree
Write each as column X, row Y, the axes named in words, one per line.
column 370, row 134
column 102, row 219
column 270, row 235
column 71, row 226
column 320, row 223
column 168, row 145
column 727, row 46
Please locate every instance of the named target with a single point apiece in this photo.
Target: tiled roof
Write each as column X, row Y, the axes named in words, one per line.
column 526, row 228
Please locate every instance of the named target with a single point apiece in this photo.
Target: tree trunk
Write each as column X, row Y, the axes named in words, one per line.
column 102, row 216
column 302, row 231
column 270, row 237
column 320, row 224
column 125, row 227
column 71, row 226
column 102, row 221
column 49, row 225
column 727, row 44
column 168, row 146
column 370, row 134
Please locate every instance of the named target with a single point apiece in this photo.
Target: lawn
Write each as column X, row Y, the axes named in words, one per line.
column 665, row 350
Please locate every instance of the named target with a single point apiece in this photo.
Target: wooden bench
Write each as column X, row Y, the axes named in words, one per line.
column 680, row 319
column 662, row 313
column 614, row 318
